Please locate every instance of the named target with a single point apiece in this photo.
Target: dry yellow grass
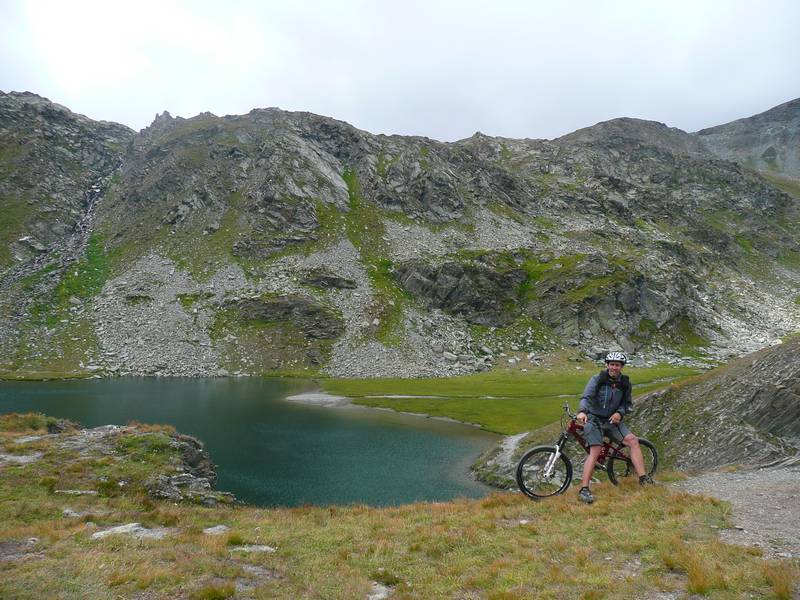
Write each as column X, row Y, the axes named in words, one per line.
column 501, row 546
column 782, row 578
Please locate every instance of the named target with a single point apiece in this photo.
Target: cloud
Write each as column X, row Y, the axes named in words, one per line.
column 441, row 69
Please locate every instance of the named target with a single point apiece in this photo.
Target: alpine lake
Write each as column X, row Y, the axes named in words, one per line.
column 274, row 452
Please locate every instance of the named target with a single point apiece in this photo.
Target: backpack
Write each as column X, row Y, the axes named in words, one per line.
column 624, row 383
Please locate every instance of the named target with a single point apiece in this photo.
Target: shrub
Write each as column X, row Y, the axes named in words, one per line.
column 25, row 422
column 215, row 592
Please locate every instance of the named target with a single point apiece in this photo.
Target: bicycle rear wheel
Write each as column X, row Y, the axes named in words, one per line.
column 541, row 474
column 619, row 468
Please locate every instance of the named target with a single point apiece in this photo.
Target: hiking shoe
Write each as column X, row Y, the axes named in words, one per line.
column 646, row 480
column 585, row 495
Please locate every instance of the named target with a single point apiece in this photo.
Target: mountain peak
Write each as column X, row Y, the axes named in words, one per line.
column 650, row 133
column 768, row 141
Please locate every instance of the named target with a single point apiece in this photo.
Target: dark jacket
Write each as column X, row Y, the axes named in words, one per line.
column 604, row 396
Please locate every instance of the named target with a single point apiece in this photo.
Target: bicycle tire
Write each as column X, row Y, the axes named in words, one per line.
column 534, row 483
column 619, row 469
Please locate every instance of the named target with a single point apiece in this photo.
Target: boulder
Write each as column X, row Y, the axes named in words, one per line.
column 133, row 529
column 478, row 293
column 313, row 319
column 322, row 277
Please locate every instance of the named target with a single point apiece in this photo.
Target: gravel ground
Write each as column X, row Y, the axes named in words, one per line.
column 766, row 511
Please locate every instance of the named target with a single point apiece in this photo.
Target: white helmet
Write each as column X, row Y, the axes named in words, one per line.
column 616, row 357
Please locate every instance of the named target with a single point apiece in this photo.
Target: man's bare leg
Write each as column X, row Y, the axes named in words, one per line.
column 591, row 461
column 632, row 442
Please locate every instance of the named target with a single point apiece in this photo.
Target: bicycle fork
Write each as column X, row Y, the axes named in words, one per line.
column 548, row 468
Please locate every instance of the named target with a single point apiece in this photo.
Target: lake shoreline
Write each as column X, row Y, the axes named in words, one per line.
column 326, row 400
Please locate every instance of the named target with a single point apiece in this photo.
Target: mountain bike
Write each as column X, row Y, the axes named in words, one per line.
column 547, row 471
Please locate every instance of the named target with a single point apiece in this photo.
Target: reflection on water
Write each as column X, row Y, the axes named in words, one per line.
column 273, row 452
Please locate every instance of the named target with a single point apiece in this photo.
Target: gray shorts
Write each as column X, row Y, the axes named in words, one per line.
column 597, row 427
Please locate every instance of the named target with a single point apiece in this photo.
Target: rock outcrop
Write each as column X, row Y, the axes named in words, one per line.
column 178, row 466
column 53, row 164
column 745, row 413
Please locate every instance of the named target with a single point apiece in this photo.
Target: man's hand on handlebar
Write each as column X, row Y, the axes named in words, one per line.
column 581, row 418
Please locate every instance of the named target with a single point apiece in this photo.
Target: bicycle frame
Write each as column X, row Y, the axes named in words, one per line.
column 575, row 430
column 608, row 450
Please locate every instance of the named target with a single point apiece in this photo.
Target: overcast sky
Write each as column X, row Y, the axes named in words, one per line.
column 439, row 69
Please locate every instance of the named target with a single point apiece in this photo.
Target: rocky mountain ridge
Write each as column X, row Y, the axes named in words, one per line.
column 288, row 242
column 769, row 141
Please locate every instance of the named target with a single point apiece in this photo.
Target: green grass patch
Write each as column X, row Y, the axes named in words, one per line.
column 27, row 422
column 365, row 230
column 147, row 443
column 571, row 275
column 786, row 184
column 70, row 343
column 37, row 373
column 503, row 210
column 723, row 219
column 691, row 340
column 648, row 327
column 595, row 286
column 215, row 592
column 187, row 301
column 55, row 340
column 790, row 259
column 504, row 402
column 86, row 278
column 570, row 272
column 29, row 283
column 201, row 255
column 499, row 415
column 745, row 243
column 13, row 215
column 527, row 333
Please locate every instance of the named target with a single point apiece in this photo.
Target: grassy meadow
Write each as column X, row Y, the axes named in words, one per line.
column 505, row 401
column 632, row 542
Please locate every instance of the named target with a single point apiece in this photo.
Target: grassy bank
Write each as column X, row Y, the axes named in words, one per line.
column 502, row 401
column 630, row 542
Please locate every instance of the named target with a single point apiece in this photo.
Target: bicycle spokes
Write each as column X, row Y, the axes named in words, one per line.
column 544, row 471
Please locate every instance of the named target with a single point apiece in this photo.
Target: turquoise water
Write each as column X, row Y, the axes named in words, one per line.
column 273, row 452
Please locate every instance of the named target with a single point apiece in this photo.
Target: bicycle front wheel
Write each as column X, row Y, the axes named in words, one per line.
column 621, row 467
column 542, row 473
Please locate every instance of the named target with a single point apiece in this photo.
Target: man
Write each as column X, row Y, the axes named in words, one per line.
column 605, row 401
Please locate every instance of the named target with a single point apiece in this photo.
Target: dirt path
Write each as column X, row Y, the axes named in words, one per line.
column 765, row 503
